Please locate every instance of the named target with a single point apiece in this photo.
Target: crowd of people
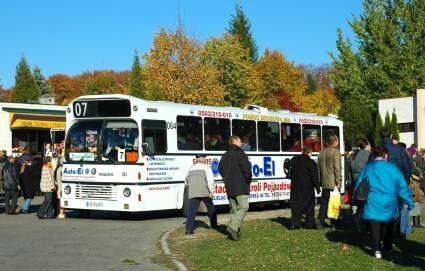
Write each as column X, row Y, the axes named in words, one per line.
column 28, row 175
column 391, row 173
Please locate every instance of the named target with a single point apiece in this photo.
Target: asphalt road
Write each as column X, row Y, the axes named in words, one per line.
column 105, row 241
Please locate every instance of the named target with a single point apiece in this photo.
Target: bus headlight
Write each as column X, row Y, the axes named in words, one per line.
column 126, row 192
column 67, row 189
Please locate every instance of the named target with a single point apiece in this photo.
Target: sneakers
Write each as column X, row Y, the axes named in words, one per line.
column 378, row 254
column 61, row 216
column 189, row 232
column 233, row 234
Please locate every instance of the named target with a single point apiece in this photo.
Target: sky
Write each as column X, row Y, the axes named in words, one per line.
column 72, row 37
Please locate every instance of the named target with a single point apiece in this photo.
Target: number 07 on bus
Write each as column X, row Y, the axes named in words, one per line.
column 128, row 154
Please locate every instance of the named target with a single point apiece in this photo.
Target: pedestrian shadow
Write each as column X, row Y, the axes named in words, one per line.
column 284, row 221
column 409, row 253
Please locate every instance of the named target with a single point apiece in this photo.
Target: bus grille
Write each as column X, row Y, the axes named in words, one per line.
column 99, row 192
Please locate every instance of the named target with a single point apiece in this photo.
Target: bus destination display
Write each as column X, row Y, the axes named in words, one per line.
column 102, row 108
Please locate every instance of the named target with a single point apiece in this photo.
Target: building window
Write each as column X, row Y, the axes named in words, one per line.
column 406, row 127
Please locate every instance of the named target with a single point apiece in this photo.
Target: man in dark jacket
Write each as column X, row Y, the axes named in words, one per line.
column 396, row 154
column 304, row 179
column 10, row 186
column 235, row 169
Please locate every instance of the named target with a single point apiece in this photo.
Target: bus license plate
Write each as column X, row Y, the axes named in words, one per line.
column 92, row 204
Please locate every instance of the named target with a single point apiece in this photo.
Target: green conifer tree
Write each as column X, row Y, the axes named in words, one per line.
column 25, row 85
column 387, row 122
column 43, row 87
column 378, row 126
column 135, row 81
column 394, row 126
column 240, row 27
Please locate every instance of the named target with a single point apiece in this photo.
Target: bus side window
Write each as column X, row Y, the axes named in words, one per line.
column 268, row 136
column 311, row 137
column 155, row 135
column 189, row 133
column 290, row 137
column 216, row 134
column 327, row 132
column 247, row 131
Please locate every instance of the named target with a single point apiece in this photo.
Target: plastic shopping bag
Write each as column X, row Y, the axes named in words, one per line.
column 334, row 205
column 405, row 226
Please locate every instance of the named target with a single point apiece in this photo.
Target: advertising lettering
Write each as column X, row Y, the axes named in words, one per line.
column 268, row 168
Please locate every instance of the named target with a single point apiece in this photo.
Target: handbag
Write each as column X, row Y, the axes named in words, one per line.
column 360, row 195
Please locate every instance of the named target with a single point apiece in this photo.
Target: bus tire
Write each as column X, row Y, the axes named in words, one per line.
column 185, row 202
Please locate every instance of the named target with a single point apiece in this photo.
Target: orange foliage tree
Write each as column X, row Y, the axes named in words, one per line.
column 283, row 83
column 173, row 66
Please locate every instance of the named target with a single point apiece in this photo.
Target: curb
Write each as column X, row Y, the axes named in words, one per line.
column 165, row 248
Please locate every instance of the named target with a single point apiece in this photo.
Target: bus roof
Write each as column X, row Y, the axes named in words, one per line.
column 250, row 109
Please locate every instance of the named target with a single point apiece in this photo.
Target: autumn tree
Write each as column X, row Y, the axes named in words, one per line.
column 319, row 96
column 280, row 78
column 63, row 88
column 240, row 27
column 1, row 92
column 102, row 83
column 25, row 85
column 43, row 87
column 135, row 81
column 394, row 126
column 236, row 72
column 174, row 67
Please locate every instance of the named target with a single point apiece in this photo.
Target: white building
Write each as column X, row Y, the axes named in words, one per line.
column 29, row 125
column 410, row 112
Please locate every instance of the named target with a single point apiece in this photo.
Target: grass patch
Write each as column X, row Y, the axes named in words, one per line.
column 130, row 261
column 268, row 245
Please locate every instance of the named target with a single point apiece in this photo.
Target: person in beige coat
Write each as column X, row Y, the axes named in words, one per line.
column 330, row 176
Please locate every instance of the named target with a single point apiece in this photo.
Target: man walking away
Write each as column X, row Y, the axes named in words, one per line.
column 201, row 187
column 304, row 179
column 396, row 154
column 235, row 169
column 330, row 176
column 11, row 186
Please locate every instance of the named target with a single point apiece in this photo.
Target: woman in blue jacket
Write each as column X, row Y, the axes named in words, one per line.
column 386, row 186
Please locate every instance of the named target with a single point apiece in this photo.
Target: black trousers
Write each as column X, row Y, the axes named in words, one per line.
column 297, row 212
column 10, row 200
column 381, row 232
column 324, row 201
column 193, row 209
column 46, row 209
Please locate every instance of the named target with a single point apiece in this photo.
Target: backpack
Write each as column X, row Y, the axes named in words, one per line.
column 8, row 183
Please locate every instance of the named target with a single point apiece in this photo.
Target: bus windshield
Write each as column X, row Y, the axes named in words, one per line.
column 102, row 141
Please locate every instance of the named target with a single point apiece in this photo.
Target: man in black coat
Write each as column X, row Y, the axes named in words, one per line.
column 304, row 179
column 235, row 169
column 11, row 186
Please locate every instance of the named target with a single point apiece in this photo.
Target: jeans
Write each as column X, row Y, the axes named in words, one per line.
column 10, row 200
column 193, row 208
column 46, row 209
column 238, row 208
column 27, row 204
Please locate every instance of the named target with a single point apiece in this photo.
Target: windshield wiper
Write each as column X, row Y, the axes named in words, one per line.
column 84, row 157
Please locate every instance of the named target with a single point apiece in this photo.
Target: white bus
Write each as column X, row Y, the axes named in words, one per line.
column 127, row 154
